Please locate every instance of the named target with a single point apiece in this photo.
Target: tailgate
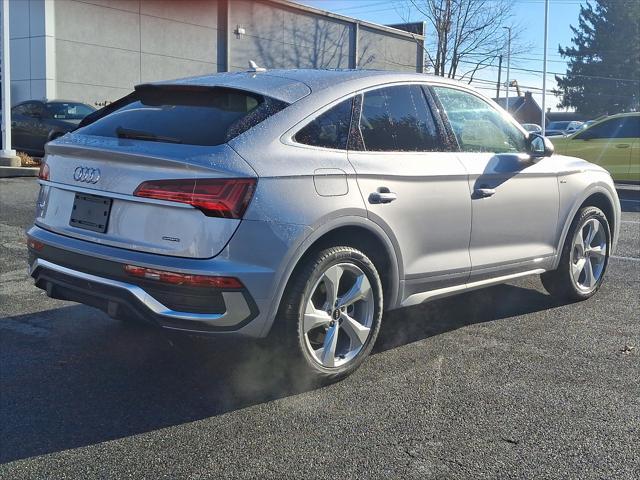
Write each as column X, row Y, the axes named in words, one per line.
column 97, row 176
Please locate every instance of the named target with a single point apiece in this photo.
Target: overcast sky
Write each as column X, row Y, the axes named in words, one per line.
column 528, row 13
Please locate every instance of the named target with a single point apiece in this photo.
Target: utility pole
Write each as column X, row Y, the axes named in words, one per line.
column 7, row 156
column 499, row 75
column 543, row 122
column 508, row 67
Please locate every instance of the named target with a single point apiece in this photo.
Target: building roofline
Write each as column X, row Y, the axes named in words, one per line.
column 318, row 11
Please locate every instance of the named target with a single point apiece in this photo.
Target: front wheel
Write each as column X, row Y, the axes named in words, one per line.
column 584, row 257
column 331, row 313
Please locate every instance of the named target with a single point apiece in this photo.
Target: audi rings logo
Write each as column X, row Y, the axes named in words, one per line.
column 86, row 174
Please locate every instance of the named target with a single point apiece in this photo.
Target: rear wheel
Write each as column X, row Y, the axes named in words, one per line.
column 331, row 313
column 584, row 257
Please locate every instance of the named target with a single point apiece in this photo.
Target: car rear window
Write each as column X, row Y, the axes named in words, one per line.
column 173, row 114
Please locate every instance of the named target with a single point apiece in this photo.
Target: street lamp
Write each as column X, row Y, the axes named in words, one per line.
column 544, row 70
column 508, row 66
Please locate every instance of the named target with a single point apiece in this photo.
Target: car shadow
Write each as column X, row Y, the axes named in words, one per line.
column 72, row 377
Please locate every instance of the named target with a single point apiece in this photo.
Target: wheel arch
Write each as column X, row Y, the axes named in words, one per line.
column 598, row 196
column 601, row 201
column 356, row 232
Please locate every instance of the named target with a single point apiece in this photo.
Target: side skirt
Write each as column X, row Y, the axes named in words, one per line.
column 417, row 298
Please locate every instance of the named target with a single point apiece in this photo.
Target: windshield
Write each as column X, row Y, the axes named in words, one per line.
column 69, row 111
column 558, row 125
column 174, row 114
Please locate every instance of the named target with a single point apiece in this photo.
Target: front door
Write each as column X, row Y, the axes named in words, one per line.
column 412, row 188
column 515, row 201
column 608, row 144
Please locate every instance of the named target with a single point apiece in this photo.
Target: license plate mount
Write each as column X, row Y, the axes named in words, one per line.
column 90, row 212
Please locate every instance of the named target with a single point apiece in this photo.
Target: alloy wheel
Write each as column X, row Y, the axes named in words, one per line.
column 588, row 255
column 338, row 315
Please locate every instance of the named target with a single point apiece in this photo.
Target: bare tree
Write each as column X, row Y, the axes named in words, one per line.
column 467, row 35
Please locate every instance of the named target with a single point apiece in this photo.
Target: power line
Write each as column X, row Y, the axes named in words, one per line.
column 530, row 70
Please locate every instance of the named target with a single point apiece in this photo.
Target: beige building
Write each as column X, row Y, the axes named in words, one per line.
column 96, row 50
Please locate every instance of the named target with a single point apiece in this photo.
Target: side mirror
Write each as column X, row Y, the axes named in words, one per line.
column 540, row 146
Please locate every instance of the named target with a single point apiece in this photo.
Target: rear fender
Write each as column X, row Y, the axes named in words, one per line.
column 321, row 230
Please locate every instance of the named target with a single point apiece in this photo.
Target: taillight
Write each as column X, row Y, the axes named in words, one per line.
column 227, row 198
column 43, row 174
column 175, row 278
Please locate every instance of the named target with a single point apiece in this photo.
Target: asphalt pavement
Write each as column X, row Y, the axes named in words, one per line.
column 497, row 383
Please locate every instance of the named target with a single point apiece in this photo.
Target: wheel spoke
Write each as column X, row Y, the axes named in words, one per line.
column 314, row 318
column 586, row 235
column 578, row 244
column 359, row 291
column 598, row 251
column 328, row 353
column 594, row 228
column 589, row 279
column 331, row 280
column 576, row 268
column 357, row 332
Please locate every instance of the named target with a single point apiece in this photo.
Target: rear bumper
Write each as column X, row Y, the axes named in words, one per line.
column 102, row 283
column 118, row 298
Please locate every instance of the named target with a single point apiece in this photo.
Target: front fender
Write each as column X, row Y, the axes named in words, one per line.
column 575, row 189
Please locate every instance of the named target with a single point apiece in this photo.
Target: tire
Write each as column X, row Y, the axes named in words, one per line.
column 306, row 302
column 564, row 283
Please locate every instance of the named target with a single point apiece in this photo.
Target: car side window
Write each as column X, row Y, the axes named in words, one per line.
column 19, row 109
column 32, row 109
column 630, row 127
column 398, row 119
column 606, row 129
column 330, row 129
column 477, row 125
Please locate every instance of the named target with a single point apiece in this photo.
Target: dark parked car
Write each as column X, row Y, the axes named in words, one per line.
column 35, row 122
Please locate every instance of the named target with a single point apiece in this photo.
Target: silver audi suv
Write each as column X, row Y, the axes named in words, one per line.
column 299, row 205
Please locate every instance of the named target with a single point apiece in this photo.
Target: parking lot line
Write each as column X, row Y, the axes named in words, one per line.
column 619, row 257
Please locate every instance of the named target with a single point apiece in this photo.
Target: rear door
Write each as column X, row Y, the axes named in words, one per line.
column 634, row 164
column 630, row 134
column 514, row 200
column 415, row 189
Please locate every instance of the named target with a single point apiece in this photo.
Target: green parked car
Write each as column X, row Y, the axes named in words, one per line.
column 613, row 143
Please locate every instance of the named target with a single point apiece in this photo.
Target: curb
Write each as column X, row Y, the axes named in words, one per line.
column 8, row 172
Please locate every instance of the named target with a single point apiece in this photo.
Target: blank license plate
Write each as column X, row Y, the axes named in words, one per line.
column 90, row 212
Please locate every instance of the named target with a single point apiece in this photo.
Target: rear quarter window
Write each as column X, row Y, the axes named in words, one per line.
column 192, row 116
column 329, row 130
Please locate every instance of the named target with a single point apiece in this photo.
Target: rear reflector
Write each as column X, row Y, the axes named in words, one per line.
column 226, row 198
column 43, row 174
column 34, row 244
column 175, row 278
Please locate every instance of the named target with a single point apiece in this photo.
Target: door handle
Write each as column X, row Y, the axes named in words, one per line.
column 483, row 192
column 622, row 145
column 382, row 195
